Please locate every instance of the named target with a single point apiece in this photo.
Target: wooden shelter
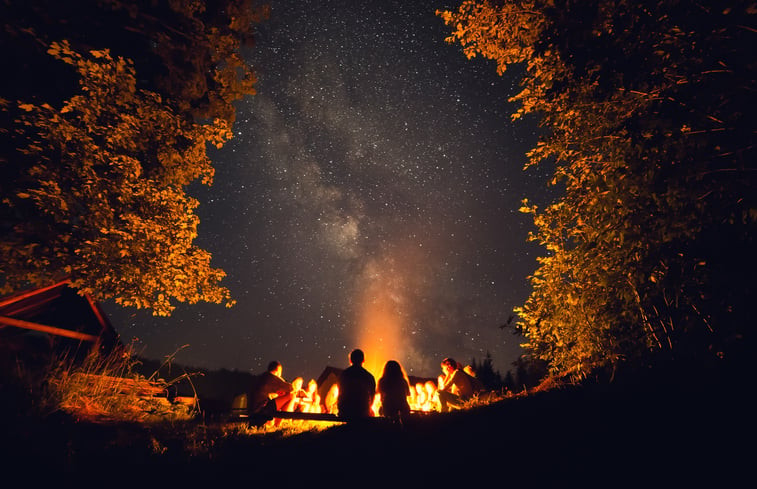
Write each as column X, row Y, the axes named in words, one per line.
column 57, row 310
column 328, row 377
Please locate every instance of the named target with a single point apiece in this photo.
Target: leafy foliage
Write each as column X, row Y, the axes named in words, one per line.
column 95, row 167
column 645, row 106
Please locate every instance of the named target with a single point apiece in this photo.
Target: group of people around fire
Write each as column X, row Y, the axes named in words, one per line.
column 357, row 395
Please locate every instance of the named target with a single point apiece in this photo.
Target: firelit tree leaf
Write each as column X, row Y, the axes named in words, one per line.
column 94, row 185
column 643, row 109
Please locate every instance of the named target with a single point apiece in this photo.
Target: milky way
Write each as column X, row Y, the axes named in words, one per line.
column 369, row 198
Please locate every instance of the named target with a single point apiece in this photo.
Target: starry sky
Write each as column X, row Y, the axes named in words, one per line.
column 369, row 198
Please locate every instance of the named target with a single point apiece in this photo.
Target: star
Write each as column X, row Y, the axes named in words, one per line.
column 368, row 199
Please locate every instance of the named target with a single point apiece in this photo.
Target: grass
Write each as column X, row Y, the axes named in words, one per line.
column 105, row 388
column 287, row 428
column 657, row 430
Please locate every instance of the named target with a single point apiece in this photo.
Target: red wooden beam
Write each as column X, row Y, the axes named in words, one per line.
column 15, row 298
column 19, row 323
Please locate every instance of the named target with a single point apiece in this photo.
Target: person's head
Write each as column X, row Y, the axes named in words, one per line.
column 275, row 368
column 392, row 370
column 357, row 357
column 449, row 365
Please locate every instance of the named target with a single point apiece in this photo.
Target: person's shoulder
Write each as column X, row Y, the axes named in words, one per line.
column 368, row 374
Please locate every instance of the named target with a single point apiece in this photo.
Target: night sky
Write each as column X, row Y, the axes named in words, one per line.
column 369, row 198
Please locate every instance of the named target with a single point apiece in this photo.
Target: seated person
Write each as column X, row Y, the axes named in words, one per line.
column 478, row 386
column 456, row 386
column 357, row 388
column 394, row 389
column 269, row 392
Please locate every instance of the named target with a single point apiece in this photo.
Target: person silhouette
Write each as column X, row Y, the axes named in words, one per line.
column 394, row 390
column 357, row 387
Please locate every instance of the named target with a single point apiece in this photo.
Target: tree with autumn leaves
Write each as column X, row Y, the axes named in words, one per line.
column 107, row 109
column 647, row 115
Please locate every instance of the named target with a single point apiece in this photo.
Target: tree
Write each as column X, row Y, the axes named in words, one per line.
column 529, row 372
column 509, row 381
column 95, row 168
column 485, row 372
column 644, row 106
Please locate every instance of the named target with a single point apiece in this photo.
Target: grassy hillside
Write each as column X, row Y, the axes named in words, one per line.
column 662, row 427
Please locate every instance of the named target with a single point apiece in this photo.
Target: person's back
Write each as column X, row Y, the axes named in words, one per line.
column 462, row 382
column 394, row 390
column 476, row 384
column 357, row 388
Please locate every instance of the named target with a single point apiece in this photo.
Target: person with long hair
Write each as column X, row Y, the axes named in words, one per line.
column 394, row 389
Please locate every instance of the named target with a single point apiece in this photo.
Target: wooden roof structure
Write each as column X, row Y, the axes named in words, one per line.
column 58, row 310
column 328, row 377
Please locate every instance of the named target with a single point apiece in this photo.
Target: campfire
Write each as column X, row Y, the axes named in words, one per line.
column 424, row 397
column 320, row 396
column 317, row 401
column 382, row 335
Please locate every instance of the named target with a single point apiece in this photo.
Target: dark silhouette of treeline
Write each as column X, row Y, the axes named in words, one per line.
column 526, row 372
